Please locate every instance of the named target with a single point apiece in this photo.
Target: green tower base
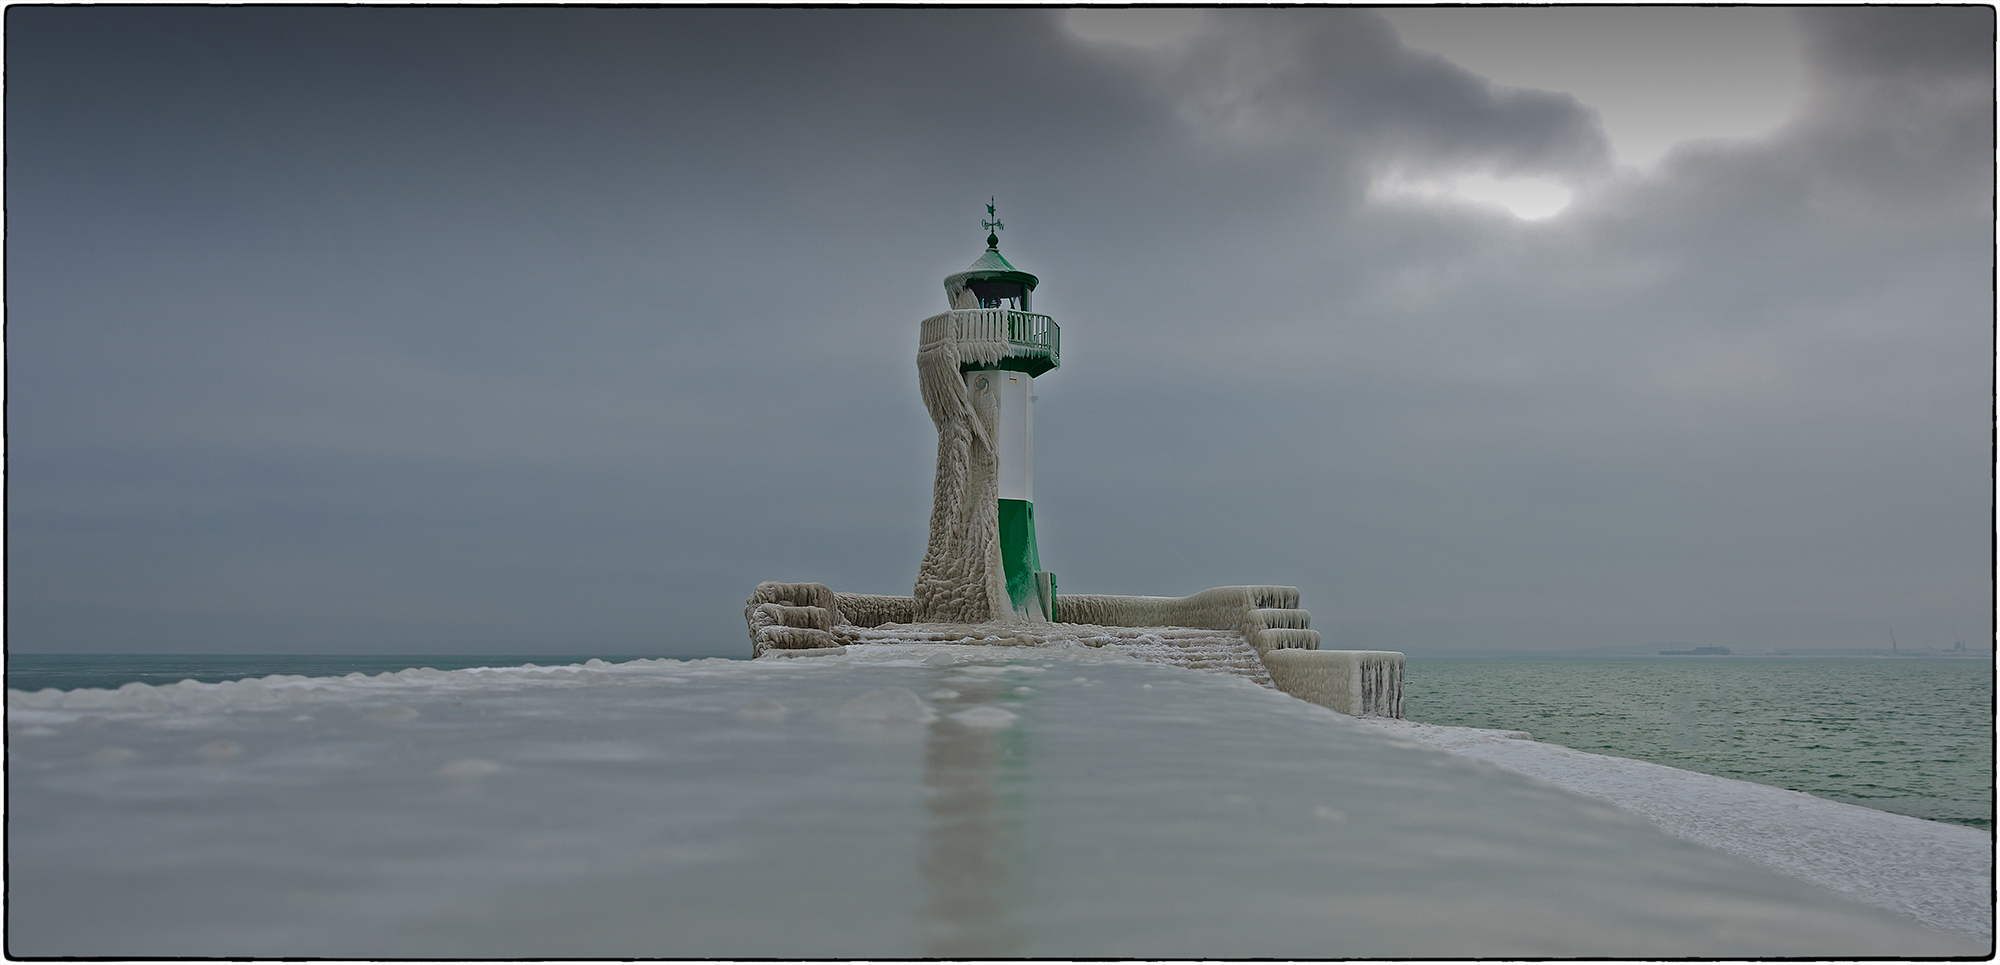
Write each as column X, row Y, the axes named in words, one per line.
column 1023, row 561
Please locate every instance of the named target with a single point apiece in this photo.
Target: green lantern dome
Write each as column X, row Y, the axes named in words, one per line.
column 990, row 279
column 990, row 268
column 993, row 280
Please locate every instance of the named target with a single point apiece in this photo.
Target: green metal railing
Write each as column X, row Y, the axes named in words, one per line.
column 1038, row 334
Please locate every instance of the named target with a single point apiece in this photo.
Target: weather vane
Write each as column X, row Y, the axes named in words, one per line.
column 992, row 239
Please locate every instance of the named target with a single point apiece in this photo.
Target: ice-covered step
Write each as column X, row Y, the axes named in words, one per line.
column 1265, row 639
column 806, row 617
column 1196, row 649
column 794, row 594
column 791, row 638
column 1290, row 618
column 791, row 616
column 1218, row 608
column 1359, row 683
column 874, row 609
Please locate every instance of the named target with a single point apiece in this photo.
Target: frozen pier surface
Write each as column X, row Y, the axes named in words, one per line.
column 1939, row 874
column 888, row 801
column 1219, row 651
column 1257, row 632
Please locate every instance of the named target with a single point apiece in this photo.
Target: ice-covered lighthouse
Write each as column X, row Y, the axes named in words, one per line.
column 978, row 363
column 992, row 295
column 981, row 580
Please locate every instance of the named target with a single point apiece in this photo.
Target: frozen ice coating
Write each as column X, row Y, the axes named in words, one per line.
column 961, row 579
column 1360, row 683
column 1222, row 652
column 981, row 580
column 1256, row 632
column 1222, row 608
column 873, row 610
column 1939, row 874
column 891, row 801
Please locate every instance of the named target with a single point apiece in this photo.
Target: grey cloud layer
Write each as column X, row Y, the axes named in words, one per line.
column 407, row 329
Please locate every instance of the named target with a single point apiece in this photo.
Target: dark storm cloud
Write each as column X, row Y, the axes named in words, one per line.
column 1885, row 42
column 1730, row 400
column 1340, row 81
column 542, row 329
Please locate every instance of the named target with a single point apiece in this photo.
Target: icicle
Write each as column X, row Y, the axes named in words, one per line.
column 1361, row 683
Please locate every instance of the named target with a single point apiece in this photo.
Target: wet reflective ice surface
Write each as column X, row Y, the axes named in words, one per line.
column 906, row 801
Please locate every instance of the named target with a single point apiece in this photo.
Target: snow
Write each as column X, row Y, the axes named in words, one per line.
column 888, row 801
column 1939, row 874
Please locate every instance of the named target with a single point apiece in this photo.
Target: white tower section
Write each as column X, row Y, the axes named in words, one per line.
column 1015, row 444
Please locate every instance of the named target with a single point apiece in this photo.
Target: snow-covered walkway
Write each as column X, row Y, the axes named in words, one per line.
column 1939, row 874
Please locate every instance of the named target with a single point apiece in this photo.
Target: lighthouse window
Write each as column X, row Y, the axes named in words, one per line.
column 998, row 294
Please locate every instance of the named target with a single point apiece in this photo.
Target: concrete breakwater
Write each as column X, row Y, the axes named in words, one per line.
column 1257, row 632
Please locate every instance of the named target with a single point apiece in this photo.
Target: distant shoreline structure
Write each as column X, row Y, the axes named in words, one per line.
column 1697, row 652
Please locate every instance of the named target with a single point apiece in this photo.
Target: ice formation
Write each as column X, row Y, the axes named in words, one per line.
column 873, row 610
column 1249, row 631
column 961, row 591
column 1939, row 874
column 961, row 579
column 1190, row 647
column 1360, row 683
column 888, row 801
column 1221, row 608
column 790, row 616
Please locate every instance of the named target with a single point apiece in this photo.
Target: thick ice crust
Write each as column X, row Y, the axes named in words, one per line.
column 961, row 578
column 1359, row 683
column 793, row 594
column 1217, row 651
column 1256, row 632
column 790, row 616
column 1938, row 874
column 801, row 616
column 1220, row 608
column 874, row 609
column 1270, row 621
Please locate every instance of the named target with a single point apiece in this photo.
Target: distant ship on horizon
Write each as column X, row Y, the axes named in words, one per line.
column 1697, row 652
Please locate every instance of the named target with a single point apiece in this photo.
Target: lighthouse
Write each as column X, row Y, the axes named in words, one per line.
column 979, row 362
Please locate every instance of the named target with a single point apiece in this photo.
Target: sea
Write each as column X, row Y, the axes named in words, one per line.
column 1901, row 734
column 1911, row 736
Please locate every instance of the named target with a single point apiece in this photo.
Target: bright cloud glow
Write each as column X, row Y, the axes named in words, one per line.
column 1530, row 199
column 1656, row 75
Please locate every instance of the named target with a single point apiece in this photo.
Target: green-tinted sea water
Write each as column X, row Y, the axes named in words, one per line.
column 1911, row 736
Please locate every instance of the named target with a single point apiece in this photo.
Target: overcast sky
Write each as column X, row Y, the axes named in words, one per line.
column 431, row 330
